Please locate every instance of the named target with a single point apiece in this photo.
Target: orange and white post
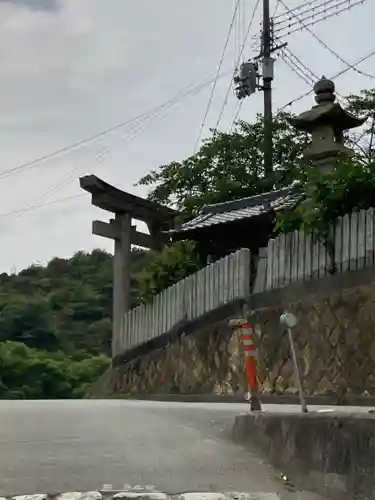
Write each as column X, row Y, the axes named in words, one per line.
column 247, row 336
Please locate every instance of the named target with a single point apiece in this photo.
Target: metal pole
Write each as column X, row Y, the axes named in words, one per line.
column 297, row 372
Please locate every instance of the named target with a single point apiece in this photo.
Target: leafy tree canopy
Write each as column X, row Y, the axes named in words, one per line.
column 230, row 165
column 349, row 187
column 31, row 373
column 166, row 267
column 362, row 140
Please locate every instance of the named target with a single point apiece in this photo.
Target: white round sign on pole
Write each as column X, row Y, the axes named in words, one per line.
column 288, row 319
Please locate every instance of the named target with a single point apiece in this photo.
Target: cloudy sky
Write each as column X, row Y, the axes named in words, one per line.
column 71, row 68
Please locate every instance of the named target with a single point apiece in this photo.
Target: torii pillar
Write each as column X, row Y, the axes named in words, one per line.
column 121, row 228
column 125, row 206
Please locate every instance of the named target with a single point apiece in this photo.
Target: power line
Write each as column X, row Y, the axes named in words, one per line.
column 230, row 86
column 304, row 9
column 295, row 68
column 275, row 9
column 340, row 73
column 325, row 10
column 303, row 71
column 29, row 209
column 299, row 7
column 238, row 110
column 298, row 67
column 217, row 75
column 301, row 66
column 312, row 16
column 103, row 154
column 191, row 90
column 363, row 59
column 312, row 75
column 139, row 128
column 327, row 47
column 239, row 28
column 53, row 187
column 242, row 21
column 298, row 23
column 357, row 145
column 360, row 137
column 314, row 19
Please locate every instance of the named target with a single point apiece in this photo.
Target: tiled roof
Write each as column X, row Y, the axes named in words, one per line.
column 245, row 208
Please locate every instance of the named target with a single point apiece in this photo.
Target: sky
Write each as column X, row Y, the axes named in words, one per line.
column 70, row 69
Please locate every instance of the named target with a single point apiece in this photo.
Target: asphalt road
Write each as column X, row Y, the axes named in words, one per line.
column 49, row 446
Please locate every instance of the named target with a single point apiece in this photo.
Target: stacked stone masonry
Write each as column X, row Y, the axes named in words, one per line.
column 208, row 361
column 335, row 343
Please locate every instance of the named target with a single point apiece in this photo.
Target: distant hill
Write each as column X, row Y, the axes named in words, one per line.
column 66, row 305
column 53, row 320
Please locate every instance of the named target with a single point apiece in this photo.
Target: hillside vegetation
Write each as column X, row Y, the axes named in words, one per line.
column 55, row 325
column 56, row 320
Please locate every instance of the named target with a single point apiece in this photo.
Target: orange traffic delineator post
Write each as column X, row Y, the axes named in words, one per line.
column 251, row 353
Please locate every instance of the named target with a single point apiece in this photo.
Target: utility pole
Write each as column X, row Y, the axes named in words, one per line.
column 247, row 81
column 267, row 75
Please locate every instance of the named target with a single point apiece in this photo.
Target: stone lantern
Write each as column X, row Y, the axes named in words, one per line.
column 326, row 122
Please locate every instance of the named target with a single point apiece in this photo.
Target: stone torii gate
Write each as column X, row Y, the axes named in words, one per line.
column 125, row 206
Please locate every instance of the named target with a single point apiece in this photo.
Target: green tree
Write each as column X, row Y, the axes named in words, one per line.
column 27, row 372
column 30, row 373
column 65, row 305
column 348, row 188
column 228, row 166
column 27, row 319
column 82, row 374
column 363, row 142
column 166, row 267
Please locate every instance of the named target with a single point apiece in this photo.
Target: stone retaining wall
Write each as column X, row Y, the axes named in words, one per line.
column 335, row 342
column 206, row 362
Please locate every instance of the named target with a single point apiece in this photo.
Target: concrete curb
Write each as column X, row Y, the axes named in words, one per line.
column 329, row 453
column 265, row 399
